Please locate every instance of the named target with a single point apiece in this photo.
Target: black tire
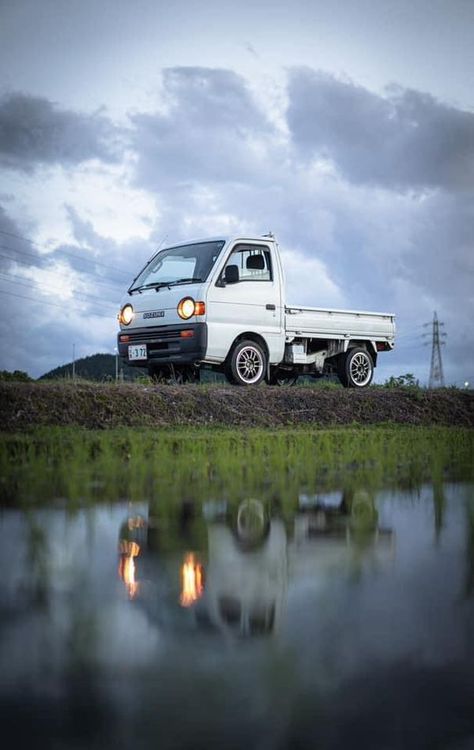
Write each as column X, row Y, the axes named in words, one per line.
column 281, row 378
column 356, row 368
column 250, row 523
column 248, row 363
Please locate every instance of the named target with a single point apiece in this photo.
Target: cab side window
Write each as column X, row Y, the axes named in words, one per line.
column 253, row 262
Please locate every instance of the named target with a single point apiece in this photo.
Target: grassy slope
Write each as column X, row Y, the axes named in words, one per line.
column 101, row 406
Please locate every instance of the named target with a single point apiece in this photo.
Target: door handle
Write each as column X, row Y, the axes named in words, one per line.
column 270, row 307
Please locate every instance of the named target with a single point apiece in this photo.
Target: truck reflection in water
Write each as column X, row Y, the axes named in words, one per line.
column 192, row 580
column 247, row 571
column 132, row 536
column 237, row 583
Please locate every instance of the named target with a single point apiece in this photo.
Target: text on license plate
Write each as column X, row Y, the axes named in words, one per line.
column 137, row 351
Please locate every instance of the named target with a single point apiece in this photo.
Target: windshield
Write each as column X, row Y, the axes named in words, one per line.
column 179, row 265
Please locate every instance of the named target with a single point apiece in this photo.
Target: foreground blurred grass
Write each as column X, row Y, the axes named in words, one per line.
column 78, row 467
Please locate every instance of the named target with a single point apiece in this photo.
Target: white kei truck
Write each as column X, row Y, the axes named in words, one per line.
column 219, row 303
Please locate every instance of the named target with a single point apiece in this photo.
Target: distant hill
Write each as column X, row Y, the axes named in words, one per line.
column 100, row 367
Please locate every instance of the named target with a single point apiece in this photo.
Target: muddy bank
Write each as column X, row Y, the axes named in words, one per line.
column 103, row 406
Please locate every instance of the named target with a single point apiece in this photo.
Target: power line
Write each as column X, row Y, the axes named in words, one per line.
column 49, row 304
column 65, row 252
column 24, row 252
column 101, row 280
column 412, row 334
column 22, row 296
column 23, row 282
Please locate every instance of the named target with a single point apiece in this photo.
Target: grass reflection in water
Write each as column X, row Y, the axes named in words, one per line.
column 81, row 467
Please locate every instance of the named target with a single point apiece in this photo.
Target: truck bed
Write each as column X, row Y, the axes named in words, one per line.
column 315, row 322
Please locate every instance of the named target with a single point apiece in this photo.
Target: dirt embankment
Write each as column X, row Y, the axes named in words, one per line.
column 26, row 405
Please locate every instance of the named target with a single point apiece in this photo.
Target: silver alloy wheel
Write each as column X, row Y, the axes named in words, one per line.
column 249, row 364
column 360, row 369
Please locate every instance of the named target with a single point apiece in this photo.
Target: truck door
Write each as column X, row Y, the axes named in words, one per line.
column 250, row 302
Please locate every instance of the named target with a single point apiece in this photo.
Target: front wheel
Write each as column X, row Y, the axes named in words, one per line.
column 356, row 368
column 248, row 363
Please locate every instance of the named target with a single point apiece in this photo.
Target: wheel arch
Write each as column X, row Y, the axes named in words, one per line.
column 250, row 336
column 369, row 346
column 347, row 378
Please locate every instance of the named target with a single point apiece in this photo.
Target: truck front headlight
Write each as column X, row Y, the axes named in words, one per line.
column 126, row 315
column 186, row 308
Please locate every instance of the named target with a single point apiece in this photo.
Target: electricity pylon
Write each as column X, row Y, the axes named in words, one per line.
column 436, row 370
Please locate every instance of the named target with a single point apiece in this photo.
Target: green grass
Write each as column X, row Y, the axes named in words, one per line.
column 79, row 467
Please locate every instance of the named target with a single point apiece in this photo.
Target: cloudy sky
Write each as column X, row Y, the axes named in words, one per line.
column 346, row 128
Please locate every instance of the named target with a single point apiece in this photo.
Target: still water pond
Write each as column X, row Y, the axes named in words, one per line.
column 318, row 616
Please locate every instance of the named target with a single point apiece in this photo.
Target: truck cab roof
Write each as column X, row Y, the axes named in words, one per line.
column 224, row 238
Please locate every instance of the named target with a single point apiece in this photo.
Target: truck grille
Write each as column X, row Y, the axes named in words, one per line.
column 145, row 337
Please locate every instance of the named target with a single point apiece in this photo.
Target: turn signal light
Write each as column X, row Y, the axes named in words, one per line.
column 200, row 308
column 186, row 334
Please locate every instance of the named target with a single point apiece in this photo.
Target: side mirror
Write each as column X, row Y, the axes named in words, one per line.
column 231, row 274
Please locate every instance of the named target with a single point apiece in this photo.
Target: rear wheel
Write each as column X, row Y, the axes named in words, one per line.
column 281, row 378
column 356, row 368
column 248, row 363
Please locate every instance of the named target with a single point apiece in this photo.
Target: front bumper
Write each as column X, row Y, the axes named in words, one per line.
column 165, row 344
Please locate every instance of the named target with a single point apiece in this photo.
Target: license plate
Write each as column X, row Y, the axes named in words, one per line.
column 137, row 352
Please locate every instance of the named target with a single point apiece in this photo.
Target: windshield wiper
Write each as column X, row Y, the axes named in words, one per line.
column 155, row 285
column 184, row 281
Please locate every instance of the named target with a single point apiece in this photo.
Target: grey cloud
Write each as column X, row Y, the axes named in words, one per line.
column 18, row 255
column 106, row 261
column 207, row 133
column 212, row 98
column 34, row 131
column 442, row 252
column 441, row 264
column 404, row 140
column 38, row 331
column 13, row 248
